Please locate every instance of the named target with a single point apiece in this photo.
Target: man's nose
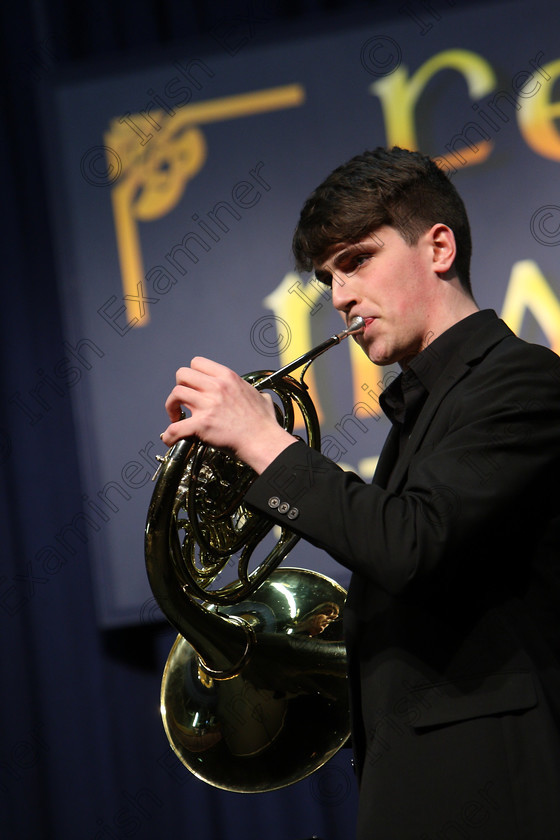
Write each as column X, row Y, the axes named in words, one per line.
column 343, row 295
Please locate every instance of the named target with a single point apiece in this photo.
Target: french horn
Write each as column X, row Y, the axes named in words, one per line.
column 254, row 691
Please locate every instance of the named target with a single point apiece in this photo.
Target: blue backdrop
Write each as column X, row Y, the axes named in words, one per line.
column 176, row 192
column 150, row 200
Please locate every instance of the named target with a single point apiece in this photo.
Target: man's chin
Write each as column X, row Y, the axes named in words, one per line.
column 378, row 356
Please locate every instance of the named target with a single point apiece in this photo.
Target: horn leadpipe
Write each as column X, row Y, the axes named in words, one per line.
column 306, row 358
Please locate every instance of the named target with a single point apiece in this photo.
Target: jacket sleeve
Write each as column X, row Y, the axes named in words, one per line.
column 489, row 455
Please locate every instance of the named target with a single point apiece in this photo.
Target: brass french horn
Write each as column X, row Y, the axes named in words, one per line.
column 254, row 692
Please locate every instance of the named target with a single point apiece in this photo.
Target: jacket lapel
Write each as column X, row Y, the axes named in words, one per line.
column 459, row 366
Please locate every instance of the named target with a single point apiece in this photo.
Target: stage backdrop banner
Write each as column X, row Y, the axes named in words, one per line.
column 177, row 187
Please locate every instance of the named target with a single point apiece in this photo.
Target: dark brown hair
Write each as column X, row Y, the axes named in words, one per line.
column 405, row 190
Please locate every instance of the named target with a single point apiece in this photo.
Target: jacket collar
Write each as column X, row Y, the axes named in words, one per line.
column 487, row 332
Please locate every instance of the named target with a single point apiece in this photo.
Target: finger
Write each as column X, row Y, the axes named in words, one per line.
column 177, row 431
column 219, row 375
column 190, row 384
column 211, row 368
column 180, row 396
column 192, row 378
column 174, row 404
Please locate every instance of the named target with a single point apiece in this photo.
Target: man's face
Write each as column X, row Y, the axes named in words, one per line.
column 392, row 286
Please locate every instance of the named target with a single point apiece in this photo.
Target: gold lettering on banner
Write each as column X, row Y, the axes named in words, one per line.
column 528, row 290
column 295, row 302
column 537, row 117
column 399, row 96
column 157, row 166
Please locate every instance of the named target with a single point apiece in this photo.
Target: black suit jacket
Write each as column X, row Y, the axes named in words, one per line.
column 452, row 617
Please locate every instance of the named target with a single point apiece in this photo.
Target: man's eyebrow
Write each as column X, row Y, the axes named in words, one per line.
column 325, row 275
column 371, row 242
column 342, row 255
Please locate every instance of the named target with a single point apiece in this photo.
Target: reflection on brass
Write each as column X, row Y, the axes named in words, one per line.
column 204, row 676
column 319, row 619
column 254, row 693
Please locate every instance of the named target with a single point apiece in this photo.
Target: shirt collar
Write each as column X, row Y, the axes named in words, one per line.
column 430, row 362
column 411, row 386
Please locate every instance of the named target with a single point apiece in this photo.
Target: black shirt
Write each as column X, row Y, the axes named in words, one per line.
column 403, row 399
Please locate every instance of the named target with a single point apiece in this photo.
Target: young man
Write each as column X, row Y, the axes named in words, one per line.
column 452, row 615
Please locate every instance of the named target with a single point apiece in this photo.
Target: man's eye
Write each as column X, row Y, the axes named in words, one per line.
column 356, row 262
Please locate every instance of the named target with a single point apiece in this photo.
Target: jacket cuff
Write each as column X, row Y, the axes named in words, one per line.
column 282, row 490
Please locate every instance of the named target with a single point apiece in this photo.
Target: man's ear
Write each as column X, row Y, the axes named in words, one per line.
column 444, row 248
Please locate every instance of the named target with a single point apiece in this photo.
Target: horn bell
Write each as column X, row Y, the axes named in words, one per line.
column 286, row 713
